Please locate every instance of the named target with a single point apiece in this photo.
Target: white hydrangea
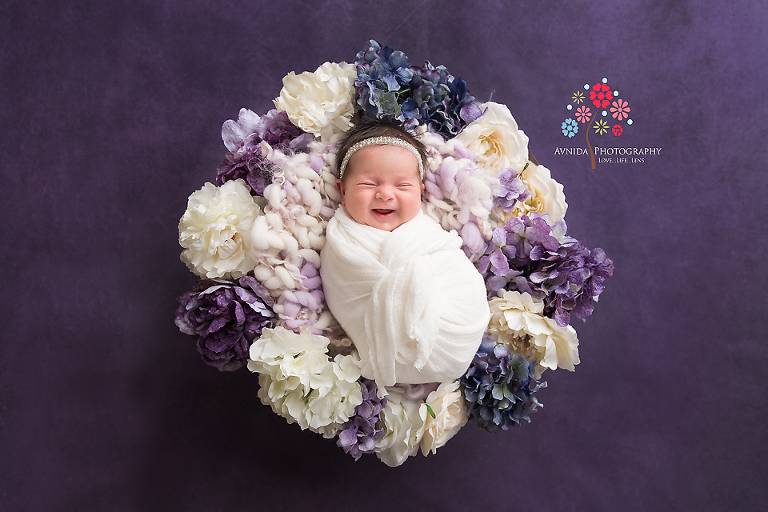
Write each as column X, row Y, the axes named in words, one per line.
column 301, row 384
column 321, row 102
column 518, row 322
column 215, row 230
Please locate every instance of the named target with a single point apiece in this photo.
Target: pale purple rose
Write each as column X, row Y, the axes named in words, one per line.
column 244, row 138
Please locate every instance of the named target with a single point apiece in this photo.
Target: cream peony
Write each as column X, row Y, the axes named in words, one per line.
column 495, row 140
column 215, row 230
column 403, row 427
column 547, row 195
column 518, row 322
column 300, row 383
column 447, row 403
column 320, row 102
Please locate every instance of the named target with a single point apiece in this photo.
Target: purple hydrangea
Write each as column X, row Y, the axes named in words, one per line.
column 244, row 139
column 572, row 280
column 389, row 88
column 528, row 255
column 499, row 388
column 511, row 191
column 225, row 317
column 360, row 431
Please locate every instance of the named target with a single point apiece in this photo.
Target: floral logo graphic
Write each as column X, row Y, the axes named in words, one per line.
column 608, row 108
column 620, row 110
column 583, row 114
column 570, row 128
column 600, row 127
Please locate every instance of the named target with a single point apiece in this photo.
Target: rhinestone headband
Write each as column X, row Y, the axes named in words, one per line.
column 381, row 141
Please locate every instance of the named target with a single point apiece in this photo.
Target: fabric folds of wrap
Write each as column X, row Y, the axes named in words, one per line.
column 410, row 300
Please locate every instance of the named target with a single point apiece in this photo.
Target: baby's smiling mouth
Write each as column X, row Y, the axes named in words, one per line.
column 383, row 211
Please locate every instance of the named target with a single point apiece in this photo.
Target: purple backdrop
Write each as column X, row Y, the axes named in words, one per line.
column 111, row 116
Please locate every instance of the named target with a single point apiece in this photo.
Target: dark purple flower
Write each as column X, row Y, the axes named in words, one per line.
column 499, row 388
column 360, row 431
column 572, row 280
column 244, row 139
column 225, row 317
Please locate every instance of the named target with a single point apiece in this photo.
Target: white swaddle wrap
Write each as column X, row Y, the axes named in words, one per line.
column 410, row 300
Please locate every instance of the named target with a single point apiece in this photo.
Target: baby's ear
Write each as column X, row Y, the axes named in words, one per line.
column 340, row 188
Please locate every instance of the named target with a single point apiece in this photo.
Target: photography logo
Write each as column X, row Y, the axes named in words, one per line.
column 598, row 112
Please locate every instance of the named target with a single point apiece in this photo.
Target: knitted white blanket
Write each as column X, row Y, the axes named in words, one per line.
column 410, row 300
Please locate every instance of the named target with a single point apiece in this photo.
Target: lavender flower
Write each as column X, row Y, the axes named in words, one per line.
column 512, row 190
column 499, row 388
column 225, row 317
column 244, row 138
column 388, row 88
column 528, row 255
column 360, row 432
column 572, row 280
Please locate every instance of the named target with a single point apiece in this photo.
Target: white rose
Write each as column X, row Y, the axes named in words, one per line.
column 215, row 230
column 320, row 102
column 495, row 140
column 447, row 403
column 517, row 322
column 547, row 195
column 404, row 429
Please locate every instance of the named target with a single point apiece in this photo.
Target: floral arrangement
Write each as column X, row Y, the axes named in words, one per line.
column 254, row 239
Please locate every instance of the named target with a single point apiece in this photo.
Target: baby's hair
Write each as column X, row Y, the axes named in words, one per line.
column 369, row 128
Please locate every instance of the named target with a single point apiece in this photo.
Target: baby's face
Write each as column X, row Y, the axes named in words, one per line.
column 382, row 187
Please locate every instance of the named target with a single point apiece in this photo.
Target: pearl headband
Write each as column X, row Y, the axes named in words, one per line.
column 381, row 141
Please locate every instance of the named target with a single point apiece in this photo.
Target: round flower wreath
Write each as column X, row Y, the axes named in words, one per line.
column 255, row 237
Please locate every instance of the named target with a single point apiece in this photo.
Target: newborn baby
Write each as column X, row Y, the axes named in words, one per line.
column 400, row 285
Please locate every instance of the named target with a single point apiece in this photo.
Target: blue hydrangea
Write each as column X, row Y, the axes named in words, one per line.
column 499, row 388
column 389, row 88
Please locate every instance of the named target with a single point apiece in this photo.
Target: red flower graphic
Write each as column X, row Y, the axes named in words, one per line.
column 601, row 95
column 620, row 109
column 583, row 114
column 617, row 130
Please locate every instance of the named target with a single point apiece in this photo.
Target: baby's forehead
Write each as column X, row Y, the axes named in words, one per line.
column 385, row 158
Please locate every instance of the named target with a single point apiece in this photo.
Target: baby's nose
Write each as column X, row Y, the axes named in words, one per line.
column 384, row 193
